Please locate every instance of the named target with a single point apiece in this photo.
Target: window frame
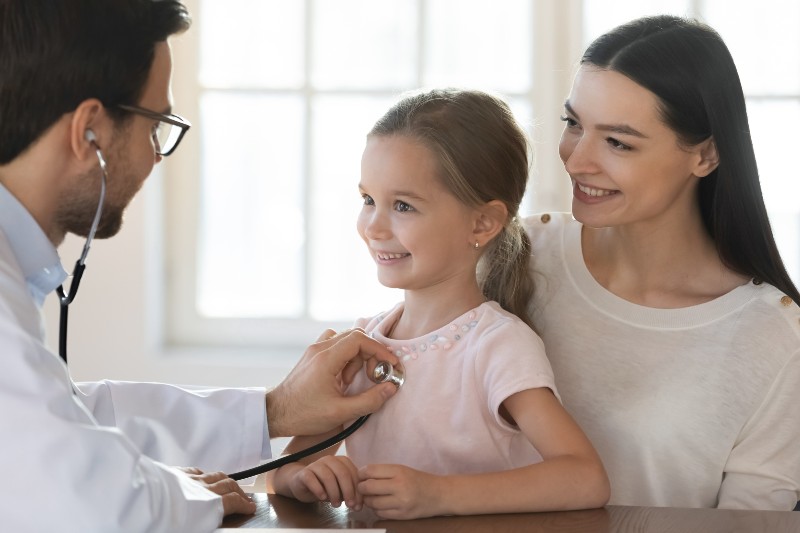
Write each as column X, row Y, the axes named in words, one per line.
column 184, row 327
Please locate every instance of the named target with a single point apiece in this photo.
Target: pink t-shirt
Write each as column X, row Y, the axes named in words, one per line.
column 445, row 418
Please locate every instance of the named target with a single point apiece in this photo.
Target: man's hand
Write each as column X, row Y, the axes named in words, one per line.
column 311, row 399
column 234, row 500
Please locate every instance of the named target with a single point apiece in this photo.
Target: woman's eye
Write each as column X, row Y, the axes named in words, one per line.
column 571, row 122
column 368, row 199
column 617, row 145
column 403, row 207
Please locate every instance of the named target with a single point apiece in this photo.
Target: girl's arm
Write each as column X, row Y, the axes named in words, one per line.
column 570, row 476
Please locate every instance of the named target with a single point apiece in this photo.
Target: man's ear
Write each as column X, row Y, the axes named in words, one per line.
column 489, row 221
column 87, row 128
column 708, row 158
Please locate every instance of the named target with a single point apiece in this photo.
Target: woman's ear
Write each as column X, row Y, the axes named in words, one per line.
column 708, row 158
column 86, row 129
column 490, row 220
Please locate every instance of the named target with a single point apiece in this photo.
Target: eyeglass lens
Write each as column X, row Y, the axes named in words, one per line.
column 166, row 135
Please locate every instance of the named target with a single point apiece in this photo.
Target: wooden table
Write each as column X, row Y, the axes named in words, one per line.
column 277, row 511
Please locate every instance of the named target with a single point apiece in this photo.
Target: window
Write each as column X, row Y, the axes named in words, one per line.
column 262, row 197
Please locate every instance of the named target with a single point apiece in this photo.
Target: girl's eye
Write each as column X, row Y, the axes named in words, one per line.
column 617, row 145
column 368, row 199
column 571, row 122
column 403, row 207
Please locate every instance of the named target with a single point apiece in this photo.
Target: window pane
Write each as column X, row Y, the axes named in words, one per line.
column 780, row 185
column 343, row 284
column 600, row 16
column 364, row 43
column 763, row 40
column 523, row 114
column 474, row 42
column 250, row 260
column 251, row 43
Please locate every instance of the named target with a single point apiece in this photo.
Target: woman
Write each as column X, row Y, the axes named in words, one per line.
column 670, row 321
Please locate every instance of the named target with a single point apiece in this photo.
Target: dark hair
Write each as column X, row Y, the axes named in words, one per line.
column 483, row 156
column 54, row 54
column 686, row 64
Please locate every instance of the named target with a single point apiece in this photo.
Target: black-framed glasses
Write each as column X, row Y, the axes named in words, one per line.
column 168, row 132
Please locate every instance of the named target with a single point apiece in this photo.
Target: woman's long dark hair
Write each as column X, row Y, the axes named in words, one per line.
column 688, row 67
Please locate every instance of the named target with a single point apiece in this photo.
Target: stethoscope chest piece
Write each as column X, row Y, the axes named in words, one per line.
column 385, row 372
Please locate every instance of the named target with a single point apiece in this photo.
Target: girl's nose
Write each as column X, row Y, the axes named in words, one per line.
column 374, row 224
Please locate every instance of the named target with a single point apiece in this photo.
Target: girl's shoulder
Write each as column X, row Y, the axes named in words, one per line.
column 386, row 318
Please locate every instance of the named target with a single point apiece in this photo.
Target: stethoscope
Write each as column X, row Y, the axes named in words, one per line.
column 382, row 373
column 80, row 264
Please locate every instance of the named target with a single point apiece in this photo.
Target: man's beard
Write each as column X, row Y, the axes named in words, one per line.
column 78, row 209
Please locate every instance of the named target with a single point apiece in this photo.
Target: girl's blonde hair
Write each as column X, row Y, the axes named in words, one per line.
column 483, row 154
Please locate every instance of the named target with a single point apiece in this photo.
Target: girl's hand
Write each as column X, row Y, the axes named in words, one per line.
column 332, row 478
column 399, row 492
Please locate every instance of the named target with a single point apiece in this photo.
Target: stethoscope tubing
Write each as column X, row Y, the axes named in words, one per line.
column 291, row 458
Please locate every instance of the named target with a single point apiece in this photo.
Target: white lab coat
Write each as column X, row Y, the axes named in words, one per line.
column 87, row 459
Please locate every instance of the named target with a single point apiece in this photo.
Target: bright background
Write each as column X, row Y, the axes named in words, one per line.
column 242, row 247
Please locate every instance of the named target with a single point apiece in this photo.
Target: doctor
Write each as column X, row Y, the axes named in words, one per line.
column 85, row 81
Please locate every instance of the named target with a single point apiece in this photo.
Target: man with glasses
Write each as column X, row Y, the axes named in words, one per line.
column 85, row 114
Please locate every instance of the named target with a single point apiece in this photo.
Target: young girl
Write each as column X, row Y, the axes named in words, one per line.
column 477, row 426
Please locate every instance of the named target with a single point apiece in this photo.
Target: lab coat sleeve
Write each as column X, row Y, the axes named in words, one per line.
column 211, row 429
column 65, row 473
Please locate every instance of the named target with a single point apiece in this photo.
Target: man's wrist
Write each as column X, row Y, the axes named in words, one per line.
column 275, row 415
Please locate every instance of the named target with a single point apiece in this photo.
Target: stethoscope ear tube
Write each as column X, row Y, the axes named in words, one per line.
column 291, row 458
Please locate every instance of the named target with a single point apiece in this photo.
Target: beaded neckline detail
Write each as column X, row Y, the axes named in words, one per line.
column 442, row 340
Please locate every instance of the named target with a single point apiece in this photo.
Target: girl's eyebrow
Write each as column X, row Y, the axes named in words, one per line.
column 405, row 194
column 410, row 195
column 622, row 129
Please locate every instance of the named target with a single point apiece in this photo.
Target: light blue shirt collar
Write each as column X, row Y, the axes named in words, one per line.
column 34, row 252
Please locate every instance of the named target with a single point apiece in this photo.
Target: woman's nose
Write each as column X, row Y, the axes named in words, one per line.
column 576, row 153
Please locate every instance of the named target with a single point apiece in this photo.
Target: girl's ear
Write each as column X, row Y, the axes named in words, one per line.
column 708, row 158
column 490, row 219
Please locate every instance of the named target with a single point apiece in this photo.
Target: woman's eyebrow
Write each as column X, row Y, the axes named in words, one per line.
column 622, row 129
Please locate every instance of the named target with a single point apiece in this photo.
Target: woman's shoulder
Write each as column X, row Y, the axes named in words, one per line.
column 545, row 226
column 772, row 310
